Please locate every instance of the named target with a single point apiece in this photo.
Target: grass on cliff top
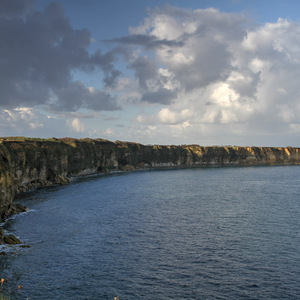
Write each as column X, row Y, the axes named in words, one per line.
column 24, row 139
column 53, row 139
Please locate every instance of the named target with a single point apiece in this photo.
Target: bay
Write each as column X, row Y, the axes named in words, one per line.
column 210, row 233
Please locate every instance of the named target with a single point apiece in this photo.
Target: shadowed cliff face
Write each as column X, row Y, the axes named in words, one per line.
column 7, row 188
column 29, row 163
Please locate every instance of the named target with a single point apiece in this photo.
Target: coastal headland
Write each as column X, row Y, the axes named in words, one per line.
column 27, row 163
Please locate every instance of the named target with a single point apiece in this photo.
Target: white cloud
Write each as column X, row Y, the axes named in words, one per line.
column 29, row 122
column 201, row 76
column 24, row 114
column 36, row 125
column 167, row 116
column 76, row 125
column 109, row 132
column 224, row 73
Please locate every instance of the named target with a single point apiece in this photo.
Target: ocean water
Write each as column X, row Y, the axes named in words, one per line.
column 211, row 233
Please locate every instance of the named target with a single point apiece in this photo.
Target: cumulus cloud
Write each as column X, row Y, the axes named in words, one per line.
column 193, row 48
column 27, row 121
column 39, row 51
column 76, row 125
column 11, row 8
column 82, row 97
column 167, row 116
column 149, row 42
column 225, row 69
column 194, row 74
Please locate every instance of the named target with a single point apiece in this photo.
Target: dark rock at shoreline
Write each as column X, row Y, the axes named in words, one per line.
column 33, row 184
column 19, row 208
column 59, row 179
column 11, row 240
column 25, row 246
column 8, row 239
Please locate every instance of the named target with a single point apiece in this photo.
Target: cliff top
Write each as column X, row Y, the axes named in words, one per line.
column 73, row 141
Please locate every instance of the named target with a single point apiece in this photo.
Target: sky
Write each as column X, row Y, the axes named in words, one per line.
column 219, row 72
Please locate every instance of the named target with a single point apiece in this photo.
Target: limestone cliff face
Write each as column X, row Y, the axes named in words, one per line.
column 28, row 163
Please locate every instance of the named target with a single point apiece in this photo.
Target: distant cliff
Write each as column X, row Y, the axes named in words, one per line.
column 27, row 163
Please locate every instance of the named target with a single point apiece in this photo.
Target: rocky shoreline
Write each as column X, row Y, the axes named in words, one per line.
column 11, row 239
column 28, row 163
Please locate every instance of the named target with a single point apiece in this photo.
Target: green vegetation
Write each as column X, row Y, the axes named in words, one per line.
column 26, row 139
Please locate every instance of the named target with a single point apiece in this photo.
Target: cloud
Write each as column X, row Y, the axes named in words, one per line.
column 106, row 63
column 191, row 47
column 12, row 8
column 145, row 70
column 228, row 71
column 76, row 125
column 162, row 96
column 167, row 116
column 26, row 121
column 39, row 51
column 82, row 97
column 189, row 75
column 147, row 41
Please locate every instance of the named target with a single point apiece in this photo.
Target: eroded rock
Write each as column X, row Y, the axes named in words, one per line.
column 20, row 208
column 1, row 235
column 11, row 240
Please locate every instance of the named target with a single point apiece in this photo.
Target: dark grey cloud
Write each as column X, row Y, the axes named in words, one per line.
column 151, row 82
column 39, row 50
column 106, row 63
column 147, row 41
column 145, row 69
column 82, row 97
column 247, row 85
column 110, row 79
column 211, row 63
column 11, row 8
column 162, row 96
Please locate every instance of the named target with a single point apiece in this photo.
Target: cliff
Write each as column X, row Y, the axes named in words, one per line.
column 28, row 163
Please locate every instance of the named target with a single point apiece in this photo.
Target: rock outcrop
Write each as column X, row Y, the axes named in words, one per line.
column 29, row 163
column 8, row 239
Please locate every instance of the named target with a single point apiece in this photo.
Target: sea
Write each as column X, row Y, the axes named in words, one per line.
column 205, row 233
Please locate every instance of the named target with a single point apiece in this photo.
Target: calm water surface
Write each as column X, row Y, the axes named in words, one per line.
column 218, row 233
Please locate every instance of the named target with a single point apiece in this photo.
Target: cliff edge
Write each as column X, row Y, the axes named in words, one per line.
column 27, row 163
